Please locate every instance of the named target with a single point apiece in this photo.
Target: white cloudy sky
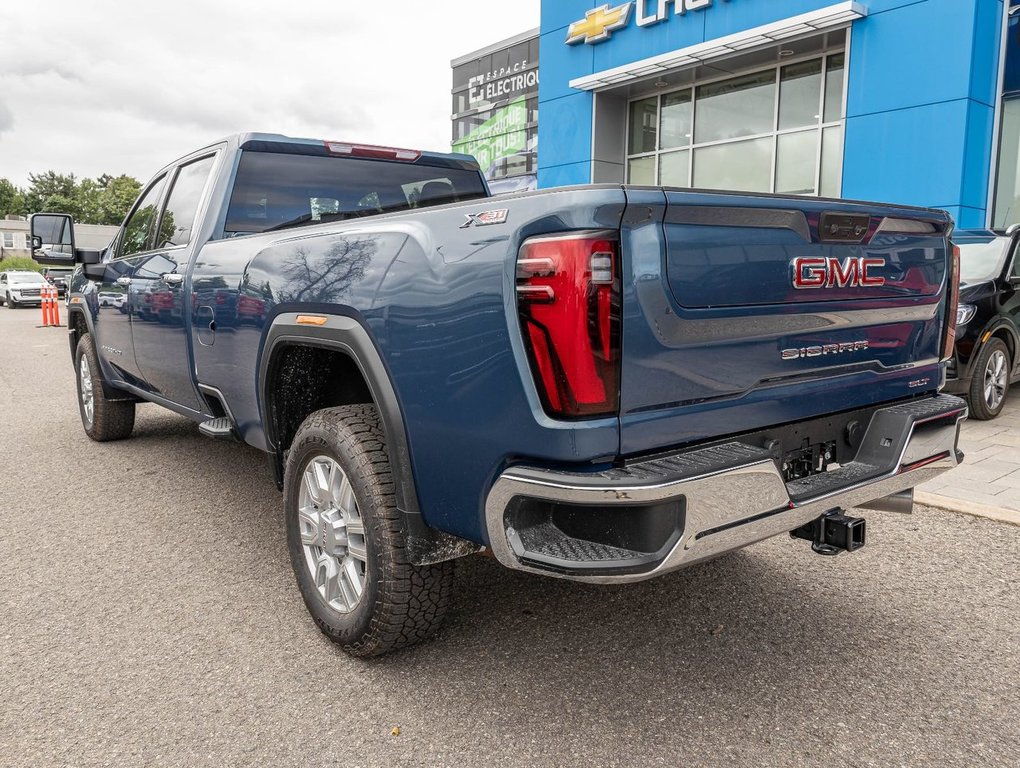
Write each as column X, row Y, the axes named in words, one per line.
column 124, row 86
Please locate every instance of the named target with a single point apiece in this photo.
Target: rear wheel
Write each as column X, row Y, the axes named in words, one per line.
column 990, row 381
column 346, row 538
column 103, row 419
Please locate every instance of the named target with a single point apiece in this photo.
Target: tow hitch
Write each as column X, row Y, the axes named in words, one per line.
column 832, row 533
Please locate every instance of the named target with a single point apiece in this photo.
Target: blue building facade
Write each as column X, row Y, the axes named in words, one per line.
column 905, row 101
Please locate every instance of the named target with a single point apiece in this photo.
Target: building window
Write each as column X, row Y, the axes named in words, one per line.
column 776, row 130
column 8, row 239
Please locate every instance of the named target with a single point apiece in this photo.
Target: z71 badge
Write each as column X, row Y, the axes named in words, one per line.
column 486, row 219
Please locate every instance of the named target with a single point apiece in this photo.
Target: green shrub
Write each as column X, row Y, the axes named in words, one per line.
column 19, row 262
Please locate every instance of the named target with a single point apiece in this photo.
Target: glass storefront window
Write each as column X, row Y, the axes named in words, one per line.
column 676, row 122
column 834, row 88
column 731, row 109
column 800, row 94
column 797, row 163
column 744, row 166
column 641, row 170
column 674, row 168
column 832, row 162
column 1007, row 186
column 643, row 125
column 777, row 130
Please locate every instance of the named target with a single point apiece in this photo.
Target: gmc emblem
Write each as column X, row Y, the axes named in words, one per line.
column 833, row 273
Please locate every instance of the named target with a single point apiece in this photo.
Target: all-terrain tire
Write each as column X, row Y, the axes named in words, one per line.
column 401, row 604
column 109, row 419
column 989, row 383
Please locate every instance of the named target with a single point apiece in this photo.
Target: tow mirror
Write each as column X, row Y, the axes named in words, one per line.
column 53, row 239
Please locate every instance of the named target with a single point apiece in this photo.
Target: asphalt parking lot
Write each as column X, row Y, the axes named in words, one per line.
column 148, row 616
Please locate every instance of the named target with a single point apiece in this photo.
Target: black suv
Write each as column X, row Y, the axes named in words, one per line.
column 59, row 278
column 985, row 362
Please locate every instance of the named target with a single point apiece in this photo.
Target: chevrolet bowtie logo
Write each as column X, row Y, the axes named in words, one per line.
column 598, row 24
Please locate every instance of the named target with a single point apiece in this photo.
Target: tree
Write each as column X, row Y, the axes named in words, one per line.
column 103, row 200
column 88, row 201
column 44, row 186
column 116, row 198
column 12, row 200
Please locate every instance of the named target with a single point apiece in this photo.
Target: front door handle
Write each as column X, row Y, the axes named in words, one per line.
column 172, row 278
column 125, row 281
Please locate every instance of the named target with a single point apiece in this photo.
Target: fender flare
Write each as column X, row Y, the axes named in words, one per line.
column 994, row 327
column 348, row 336
column 109, row 391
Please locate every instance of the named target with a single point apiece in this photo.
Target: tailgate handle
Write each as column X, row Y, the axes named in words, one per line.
column 843, row 227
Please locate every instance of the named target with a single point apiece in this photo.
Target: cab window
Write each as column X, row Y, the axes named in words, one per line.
column 175, row 228
column 274, row 191
column 137, row 234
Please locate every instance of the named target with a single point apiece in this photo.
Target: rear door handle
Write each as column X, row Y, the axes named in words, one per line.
column 172, row 278
column 125, row 281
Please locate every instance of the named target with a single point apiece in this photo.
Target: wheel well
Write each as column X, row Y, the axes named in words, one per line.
column 1007, row 337
column 78, row 327
column 304, row 379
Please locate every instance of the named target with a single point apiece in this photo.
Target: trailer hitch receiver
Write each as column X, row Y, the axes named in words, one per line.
column 833, row 532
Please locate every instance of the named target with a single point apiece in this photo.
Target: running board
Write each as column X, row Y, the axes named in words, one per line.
column 218, row 429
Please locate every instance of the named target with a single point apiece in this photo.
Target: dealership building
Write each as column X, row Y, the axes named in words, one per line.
column 495, row 111
column 909, row 101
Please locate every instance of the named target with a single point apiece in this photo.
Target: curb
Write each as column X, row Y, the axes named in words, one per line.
column 971, row 508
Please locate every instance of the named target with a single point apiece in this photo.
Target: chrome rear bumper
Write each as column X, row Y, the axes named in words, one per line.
column 729, row 496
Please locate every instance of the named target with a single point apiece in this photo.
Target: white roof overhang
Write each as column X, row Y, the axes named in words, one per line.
column 830, row 17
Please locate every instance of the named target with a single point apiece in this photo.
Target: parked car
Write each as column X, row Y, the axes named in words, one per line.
column 21, row 288
column 58, row 278
column 112, row 299
column 986, row 361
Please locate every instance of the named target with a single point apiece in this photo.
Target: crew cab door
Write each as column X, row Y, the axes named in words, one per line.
column 160, row 329
column 131, row 246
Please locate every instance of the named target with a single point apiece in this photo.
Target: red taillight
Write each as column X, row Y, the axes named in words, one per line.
column 949, row 340
column 369, row 150
column 568, row 298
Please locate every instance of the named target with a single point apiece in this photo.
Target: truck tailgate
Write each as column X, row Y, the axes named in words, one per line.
column 745, row 312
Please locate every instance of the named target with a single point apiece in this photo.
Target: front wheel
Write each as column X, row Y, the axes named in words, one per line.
column 102, row 418
column 990, row 380
column 346, row 538
column 11, row 302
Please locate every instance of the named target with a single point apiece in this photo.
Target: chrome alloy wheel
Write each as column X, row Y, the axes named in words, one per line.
column 996, row 380
column 85, row 388
column 332, row 534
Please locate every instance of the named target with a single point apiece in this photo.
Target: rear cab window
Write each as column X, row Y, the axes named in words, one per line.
column 277, row 190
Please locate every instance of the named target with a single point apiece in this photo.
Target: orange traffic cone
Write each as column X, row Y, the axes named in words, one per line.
column 50, row 312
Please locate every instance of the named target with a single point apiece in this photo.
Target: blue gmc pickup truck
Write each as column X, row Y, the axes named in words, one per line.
column 599, row 383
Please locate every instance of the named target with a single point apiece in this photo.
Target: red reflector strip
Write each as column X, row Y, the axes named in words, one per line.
column 371, row 151
column 924, row 462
